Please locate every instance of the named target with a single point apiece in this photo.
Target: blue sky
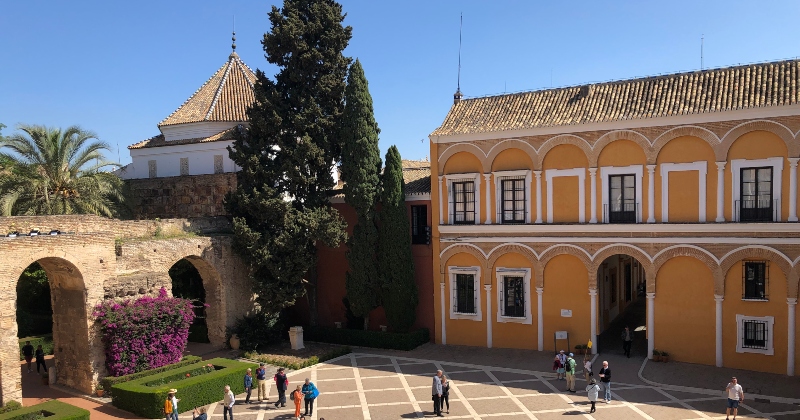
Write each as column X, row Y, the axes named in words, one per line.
column 118, row 68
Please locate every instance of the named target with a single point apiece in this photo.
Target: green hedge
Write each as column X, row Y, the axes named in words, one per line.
column 110, row 381
column 378, row 339
column 57, row 410
column 45, row 340
column 195, row 391
column 296, row 363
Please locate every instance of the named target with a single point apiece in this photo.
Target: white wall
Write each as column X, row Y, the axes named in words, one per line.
column 168, row 158
column 198, row 130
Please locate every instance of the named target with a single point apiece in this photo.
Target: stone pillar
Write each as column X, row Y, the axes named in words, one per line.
column 793, row 189
column 720, row 192
column 443, row 312
column 593, row 199
column 651, row 337
column 441, row 207
column 488, row 288
column 538, row 196
column 718, row 299
column 539, row 319
column 651, row 193
column 791, row 345
column 489, row 207
column 593, row 329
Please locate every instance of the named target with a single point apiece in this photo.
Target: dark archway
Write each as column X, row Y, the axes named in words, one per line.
column 621, row 285
column 187, row 283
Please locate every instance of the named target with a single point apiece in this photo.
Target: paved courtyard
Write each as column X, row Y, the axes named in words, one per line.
column 371, row 386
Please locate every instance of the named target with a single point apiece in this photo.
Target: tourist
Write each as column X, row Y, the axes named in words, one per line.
column 557, row 366
column 311, row 393
column 40, row 359
column 587, row 368
column 227, row 403
column 569, row 369
column 199, row 414
column 605, row 381
column 627, row 340
column 282, row 383
column 27, row 351
column 445, row 394
column 297, row 396
column 735, row 396
column 592, row 390
column 248, row 385
column 261, row 377
column 562, row 359
column 436, row 393
column 171, row 405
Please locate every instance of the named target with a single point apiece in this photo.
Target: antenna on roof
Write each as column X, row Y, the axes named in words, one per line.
column 457, row 96
column 233, row 38
column 702, row 39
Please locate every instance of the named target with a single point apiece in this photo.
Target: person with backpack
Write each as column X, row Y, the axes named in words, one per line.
column 282, row 383
column 311, row 393
column 297, row 396
column 593, row 390
column 569, row 370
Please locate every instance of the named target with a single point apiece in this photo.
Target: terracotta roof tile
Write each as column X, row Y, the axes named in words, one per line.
column 159, row 141
column 724, row 89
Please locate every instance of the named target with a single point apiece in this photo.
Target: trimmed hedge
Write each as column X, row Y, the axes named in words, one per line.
column 377, row 339
column 195, row 391
column 110, row 381
column 45, row 340
column 57, row 409
column 294, row 362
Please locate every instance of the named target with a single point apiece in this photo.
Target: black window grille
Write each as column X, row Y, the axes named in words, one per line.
column 463, row 203
column 512, row 203
column 756, row 204
column 464, row 296
column 754, row 334
column 622, row 199
column 513, row 297
column 755, row 279
column 419, row 223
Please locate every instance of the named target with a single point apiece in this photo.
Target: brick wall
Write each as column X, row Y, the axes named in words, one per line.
column 179, row 196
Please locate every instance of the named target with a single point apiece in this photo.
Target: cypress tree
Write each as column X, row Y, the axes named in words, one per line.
column 281, row 208
column 361, row 165
column 396, row 262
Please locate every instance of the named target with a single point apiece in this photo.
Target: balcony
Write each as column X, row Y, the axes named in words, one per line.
column 626, row 212
column 754, row 210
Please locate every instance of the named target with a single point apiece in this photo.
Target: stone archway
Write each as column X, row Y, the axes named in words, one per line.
column 213, row 321
column 621, row 275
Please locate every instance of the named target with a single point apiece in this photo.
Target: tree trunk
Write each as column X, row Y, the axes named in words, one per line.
column 311, row 292
column 366, row 322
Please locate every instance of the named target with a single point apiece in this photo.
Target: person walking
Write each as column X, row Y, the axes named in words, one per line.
column 445, row 394
column 436, row 393
column 40, row 358
column 227, row 403
column 297, row 396
column 27, row 351
column 261, row 378
column 627, row 340
column 248, row 385
column 592, row 390
column 282, row 383
column 587, row 368
column 735, row 397
column 311, row 393
column 569, row 370
column 171, row 405
column 562, row 360
column 605, row 381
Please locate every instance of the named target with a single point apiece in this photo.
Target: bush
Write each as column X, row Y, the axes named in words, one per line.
column 377, row 339
column 148, row 401
column 110, row 381
column 292, row 362
column 51, row 410
column 45, row 340
column 10, row 406
column 259, row 330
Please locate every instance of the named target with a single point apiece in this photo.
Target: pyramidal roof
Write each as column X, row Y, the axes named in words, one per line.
column 224, row 97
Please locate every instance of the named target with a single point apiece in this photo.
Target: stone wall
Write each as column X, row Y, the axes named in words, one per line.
column 195, row 195
column 117, row 228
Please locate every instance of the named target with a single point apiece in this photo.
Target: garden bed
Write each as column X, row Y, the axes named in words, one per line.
column 50, row 410
column 109, row 381
column 283, row 355
column 377, row 339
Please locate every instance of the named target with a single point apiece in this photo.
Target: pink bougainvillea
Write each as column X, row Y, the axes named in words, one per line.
column 145, row 333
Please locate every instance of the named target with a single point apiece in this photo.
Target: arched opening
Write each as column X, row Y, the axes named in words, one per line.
column 621, row 286
column 187, row 283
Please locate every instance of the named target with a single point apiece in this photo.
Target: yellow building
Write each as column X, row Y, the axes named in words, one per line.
column 551, row 208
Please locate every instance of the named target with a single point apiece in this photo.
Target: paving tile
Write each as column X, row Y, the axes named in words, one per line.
column 457, row 408
column 418, row 380
column 379, row 397
column 767, row 408
column 334, row 414
column 376, row 371
column 641, row 395
column 689, row 395
column 381, row 383
column 334, row 386
column 672, row 411
column 478, row 391
column 494, row 406
column 330, row 374
column 511, row 376
column 335, row 364
column 453, row 368
column 613, row 412
column 528, row 387
column 545, row 402
column 507, row 417
column 473, row 377
column 715, row 407
column 423, row 395
column 336, row 400
column 424, row 369
column 392, row 412
column 372, row 361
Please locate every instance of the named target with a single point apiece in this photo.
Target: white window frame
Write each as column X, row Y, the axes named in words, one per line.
column 637, row 171
column 475, row 177
column 770, row 321
column 701, row 167
column 554, row 173
column 499, row 176
column 476, row 272
column 525, row 273
column 777, row 178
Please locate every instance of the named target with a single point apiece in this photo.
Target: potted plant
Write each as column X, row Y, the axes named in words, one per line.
column 664, row 356
column 99, row 390
column 579, row 348
column 656, row 355
column 45, row 378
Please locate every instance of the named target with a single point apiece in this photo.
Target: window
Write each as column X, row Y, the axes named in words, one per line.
column 513, row 295
column 465, row 298
column 512, row 204
column 463, row 203
column 513, row 304
column 755, row 275
column 755, row 203
column 755, row 334
column 419, row 225
column 622, row 204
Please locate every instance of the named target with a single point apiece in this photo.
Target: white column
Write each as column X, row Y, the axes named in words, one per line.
column 488, row 288
column 593, row 333
column 539, row 319
column 651, row 320
column 593, row 199
column 790, row 358
column 441, row 301
column 441, row 207
column 720, row 192
column 651, row 193
column 489, row 211
column 718, row 299
column 538, row 196
column 793, row 189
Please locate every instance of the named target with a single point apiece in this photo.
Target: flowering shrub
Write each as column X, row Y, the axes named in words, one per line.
column 145, row 333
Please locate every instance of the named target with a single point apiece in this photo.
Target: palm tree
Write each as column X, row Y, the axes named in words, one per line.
column 56, row 171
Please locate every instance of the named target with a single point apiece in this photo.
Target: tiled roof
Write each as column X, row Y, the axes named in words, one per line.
column 159, row 140
column 698, row 92
column 224, row 97
column 416, row 176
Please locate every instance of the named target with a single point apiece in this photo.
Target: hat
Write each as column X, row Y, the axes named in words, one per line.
column 570, row 355
column 173, row 391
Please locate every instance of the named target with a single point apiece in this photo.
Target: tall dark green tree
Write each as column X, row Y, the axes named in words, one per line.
column 361, row 166
column 281, row 208
column 395, row 260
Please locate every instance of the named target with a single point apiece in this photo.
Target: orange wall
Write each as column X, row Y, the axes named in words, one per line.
column 566, row 286
column 511, row 334
column 565, row 199
column 464, row 332
column 758, row 145
column 684, row 202
column 685, row 311
column 687, row 149
column 565, row 189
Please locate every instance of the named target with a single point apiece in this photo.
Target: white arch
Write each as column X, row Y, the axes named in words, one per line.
column 538, row 257
column 624, row 246
column 757, row 121
column 682, row 127
column 766, row 248
column 468, row 245
column 695, row 247
column 568, row 246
